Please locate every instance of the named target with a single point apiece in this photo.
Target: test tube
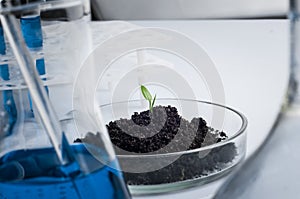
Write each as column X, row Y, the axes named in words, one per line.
column 7, row 95
column 32, row 32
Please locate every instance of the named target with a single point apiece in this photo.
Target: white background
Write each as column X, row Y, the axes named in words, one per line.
column 188, row 9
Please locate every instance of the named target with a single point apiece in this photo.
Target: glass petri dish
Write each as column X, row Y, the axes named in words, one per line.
column 176, row 166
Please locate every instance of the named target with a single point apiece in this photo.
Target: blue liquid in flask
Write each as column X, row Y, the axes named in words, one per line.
column 34, row 174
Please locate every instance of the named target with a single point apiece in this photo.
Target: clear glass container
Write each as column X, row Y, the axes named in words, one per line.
column 272, row 171
column 38, row 63
column 173, row 166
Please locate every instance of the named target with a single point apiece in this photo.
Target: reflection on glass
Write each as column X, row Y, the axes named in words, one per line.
column 273, row 172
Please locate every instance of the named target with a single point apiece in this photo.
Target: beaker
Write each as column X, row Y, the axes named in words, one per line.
column 33, row 162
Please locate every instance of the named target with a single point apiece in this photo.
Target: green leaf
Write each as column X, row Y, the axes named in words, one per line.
column 152, row 105
column 146, row 93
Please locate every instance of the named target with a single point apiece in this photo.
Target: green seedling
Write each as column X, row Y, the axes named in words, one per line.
column 147, row 95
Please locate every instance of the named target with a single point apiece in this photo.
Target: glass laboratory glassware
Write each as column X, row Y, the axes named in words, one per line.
column 273, row 171
column 33, row 165
column 164, row 170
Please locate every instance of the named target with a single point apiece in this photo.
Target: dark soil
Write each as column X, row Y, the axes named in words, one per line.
column 163, row 131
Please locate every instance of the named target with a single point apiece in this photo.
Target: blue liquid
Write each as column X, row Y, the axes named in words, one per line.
column 32, row 32
column 40, row 178
column 7, row 96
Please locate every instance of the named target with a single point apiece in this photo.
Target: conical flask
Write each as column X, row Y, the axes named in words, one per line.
column 37, row 156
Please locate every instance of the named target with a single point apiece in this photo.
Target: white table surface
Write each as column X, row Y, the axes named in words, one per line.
column 252, row 58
